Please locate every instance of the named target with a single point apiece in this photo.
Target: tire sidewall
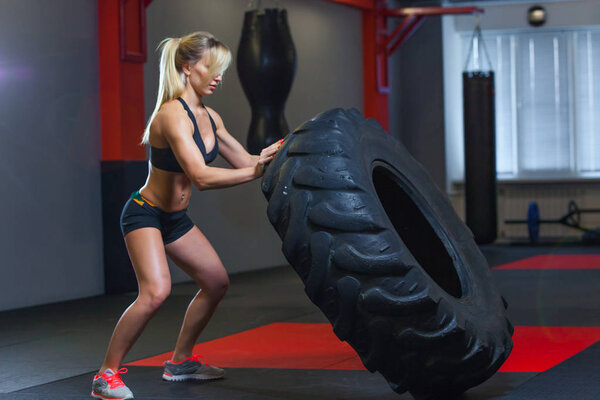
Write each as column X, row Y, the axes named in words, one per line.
column 480, row 297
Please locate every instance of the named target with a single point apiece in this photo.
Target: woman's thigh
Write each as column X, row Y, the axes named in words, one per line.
column 147, row 253
column 194, row 254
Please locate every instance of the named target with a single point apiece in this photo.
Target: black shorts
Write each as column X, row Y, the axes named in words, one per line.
column 138, row 213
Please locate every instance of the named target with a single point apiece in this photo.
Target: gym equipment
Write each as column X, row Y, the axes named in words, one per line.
column 572, row 219
column 480, row 146
column 266, row 65
column 385, row 257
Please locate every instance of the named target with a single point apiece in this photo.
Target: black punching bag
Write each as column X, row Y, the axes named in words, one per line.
column 266, row 64
column 480, row 155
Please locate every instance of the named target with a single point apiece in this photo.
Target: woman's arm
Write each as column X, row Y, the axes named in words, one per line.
column 178, row 133
column 231, row 150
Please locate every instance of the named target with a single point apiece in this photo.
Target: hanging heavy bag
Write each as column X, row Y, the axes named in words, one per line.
column 266, row 65
column 480, row 146
column 385, row 257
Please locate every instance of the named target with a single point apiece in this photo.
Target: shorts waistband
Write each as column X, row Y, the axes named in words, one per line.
column 138, row 198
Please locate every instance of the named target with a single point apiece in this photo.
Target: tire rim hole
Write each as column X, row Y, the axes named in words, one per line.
column 415, row 231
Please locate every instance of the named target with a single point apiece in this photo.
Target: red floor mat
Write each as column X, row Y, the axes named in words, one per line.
column 539, row 348
column 314, row 346
column 555, row 261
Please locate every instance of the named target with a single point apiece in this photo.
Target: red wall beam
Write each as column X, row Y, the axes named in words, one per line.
column 121, row 23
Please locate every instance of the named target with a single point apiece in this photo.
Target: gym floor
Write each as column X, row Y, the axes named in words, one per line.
column 275, row 344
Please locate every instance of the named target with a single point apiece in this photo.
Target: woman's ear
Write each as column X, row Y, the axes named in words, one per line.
column 186, row 69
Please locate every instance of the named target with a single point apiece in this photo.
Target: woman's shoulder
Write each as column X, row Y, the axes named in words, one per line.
column 169, row 111
column 170, row 117
column 169, row 107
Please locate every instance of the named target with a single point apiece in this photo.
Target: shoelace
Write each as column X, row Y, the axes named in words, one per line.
column 114, row 381
column 195, row 357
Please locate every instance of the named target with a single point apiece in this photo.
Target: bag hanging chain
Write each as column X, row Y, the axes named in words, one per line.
column 480, row 43
column 257, row 4
column 254, row 4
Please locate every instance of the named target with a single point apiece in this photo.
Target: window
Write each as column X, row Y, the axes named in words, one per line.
column 547, row 101
column 587, row 100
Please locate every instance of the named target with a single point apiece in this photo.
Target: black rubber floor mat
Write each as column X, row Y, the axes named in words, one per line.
column 575, row 378
column 261, row 384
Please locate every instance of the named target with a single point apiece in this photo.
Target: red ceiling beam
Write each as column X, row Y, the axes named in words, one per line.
column 362, row 4
column 406, row 28
column 429, row 11
column 412, row 19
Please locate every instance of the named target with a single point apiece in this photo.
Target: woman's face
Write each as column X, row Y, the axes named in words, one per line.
column 202, row 82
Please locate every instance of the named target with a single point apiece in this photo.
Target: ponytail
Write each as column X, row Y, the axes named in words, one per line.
column 170, row 82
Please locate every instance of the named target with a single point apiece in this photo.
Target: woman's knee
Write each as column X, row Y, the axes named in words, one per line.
column 217, row 287
column 153, row 297
column 223, row 285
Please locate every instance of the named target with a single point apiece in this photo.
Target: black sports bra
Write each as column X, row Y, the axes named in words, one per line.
column 164, row 158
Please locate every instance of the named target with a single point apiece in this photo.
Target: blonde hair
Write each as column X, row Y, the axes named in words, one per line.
column 175, row 52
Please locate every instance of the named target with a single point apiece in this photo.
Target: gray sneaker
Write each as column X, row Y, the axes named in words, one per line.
column 191, row 369
column 109, row 385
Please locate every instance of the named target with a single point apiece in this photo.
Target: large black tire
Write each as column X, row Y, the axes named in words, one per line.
column 385, row 257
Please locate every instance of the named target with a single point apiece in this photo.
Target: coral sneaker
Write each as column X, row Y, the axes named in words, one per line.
column 110, row 386
column 190, row 369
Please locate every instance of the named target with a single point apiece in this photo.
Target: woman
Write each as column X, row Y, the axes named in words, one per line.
column 184, row 137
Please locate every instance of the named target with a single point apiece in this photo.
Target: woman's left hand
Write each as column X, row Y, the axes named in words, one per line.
column 268, row 153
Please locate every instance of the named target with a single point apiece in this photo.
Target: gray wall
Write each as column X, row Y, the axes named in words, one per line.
column 417, row 98
column 328, row 40
column 50, row 221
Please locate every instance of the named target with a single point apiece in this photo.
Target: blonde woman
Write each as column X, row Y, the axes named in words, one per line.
column 184, row 136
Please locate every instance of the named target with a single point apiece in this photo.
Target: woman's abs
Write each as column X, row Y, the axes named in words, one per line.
column 171, row 191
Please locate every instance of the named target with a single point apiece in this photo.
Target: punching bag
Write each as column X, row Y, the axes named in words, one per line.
column 480, row 155
column 480, row 145
column 266, row 64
